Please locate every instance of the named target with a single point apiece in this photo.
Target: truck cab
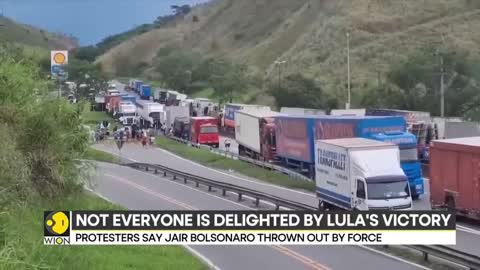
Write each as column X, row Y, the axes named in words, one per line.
column 360, row 174
column 268, row 144
column 411, row 165
column 127, row 114
column 204, row 130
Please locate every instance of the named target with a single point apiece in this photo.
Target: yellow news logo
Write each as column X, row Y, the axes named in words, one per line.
column 56, row 223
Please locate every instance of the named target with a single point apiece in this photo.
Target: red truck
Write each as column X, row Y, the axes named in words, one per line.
column 112, row 103
column 204, row 130
column 455, row 175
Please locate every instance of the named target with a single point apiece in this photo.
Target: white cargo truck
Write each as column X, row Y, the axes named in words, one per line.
column 360, row 174
column 301, row 111
column 127, row 113
column 173, row 112
column 255, row 134
column 151, row 114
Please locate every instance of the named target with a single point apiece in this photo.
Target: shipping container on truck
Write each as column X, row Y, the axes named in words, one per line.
column 151, row 114
column 360, row 174
column 296, row 135
column 255, row 134
column 455, row 175
column 112, row 103
column 145, row 92
column 230, row 109
column 301, row 111
column 204, row 130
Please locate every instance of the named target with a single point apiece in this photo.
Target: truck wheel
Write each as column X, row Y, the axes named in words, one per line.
column 323, row 205
column 450, row 202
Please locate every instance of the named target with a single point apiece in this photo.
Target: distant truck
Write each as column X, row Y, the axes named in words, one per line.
column 127, row 115
column 255, row 134
column 230, row 109
column 174, row 112
column 145, row 92
column 112, row 103
column 301, row 111
column 454, row 175
column 204, row 130
column 360, row 174
column 181, row 128
column 138, row 86
column 349, row 112
column 296, row 135
column 127, row 98
column 151, row 114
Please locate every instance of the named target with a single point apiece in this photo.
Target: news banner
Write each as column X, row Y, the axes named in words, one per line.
column 248, row 228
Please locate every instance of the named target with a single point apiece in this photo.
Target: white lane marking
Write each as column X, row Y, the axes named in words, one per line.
column 191, row 188
column 99, row 195
column 393, row 257
column 199, row 255
column 468, row 230
column 234, row 176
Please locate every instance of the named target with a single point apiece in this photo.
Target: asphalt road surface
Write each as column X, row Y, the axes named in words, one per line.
column 140, row 190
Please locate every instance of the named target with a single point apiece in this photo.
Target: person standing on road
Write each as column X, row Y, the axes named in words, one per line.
column 227, row 145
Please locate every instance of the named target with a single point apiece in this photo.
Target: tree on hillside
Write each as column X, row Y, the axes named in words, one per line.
column 227, row 79
column 415, row 83
column 296, row 90
column 176, row 69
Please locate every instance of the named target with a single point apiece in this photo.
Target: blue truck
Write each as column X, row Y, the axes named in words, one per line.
column 138, row 86
column 132, row 99
column 145, row 92
column 296, row 136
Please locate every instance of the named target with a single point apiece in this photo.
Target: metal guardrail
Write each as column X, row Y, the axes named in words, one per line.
column 225, row 187
column 449, row 254
column 446, row 253
column 265, row 165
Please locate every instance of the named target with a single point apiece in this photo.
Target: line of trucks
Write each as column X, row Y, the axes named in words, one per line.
column 359, row 159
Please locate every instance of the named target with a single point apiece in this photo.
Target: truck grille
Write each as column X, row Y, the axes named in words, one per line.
column 400, row 207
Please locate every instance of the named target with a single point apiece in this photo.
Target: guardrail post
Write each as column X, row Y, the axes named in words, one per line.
column 174, row 177
column 146, row 168
column 224, row 192
column 197, row 184
column 209, row 188
column 164, row 174
column 239, row 197
column 257, row 202
column 277, row 207
column 185, row 180
column 156, row 171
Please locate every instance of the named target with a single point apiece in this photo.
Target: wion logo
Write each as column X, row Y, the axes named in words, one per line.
column 56, row 226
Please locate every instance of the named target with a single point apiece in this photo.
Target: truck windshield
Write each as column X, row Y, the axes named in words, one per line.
column 409, row 154
column 129, row 114
column 155, row 115
column 212, row 129
column 391, row 189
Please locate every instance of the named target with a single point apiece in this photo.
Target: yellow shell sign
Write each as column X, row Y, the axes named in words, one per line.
column 59, row 57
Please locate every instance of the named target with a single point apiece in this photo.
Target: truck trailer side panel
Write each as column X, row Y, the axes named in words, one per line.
column 455, row 175
column 247, row 131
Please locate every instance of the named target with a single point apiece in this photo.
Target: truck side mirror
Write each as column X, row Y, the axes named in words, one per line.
column 361, row 190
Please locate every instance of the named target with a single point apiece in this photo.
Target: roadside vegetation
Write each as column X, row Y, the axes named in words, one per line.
column 212, row 160
column 42, row 143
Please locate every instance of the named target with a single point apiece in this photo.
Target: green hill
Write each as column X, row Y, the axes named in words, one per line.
column 311, row 35
column 28, row 35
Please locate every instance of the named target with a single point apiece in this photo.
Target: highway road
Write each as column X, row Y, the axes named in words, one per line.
column 468, row 237
column 140, row 190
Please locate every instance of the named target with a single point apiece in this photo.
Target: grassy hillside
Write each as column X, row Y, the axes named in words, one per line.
column 33, row 37
column 311, row 35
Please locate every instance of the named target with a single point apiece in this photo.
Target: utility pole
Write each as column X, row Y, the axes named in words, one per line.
column 347, row 106
column 442, row 87
column 279, row 64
